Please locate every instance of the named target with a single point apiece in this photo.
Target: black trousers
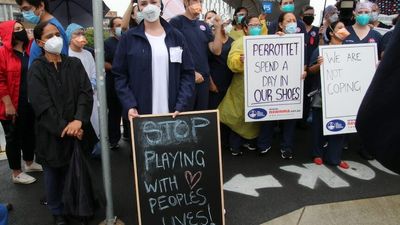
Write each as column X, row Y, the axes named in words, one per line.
column 20, row 136
column 115, row 114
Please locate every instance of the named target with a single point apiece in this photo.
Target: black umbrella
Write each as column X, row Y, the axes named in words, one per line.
column 74, row 11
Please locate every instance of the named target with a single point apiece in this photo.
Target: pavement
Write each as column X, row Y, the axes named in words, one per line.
column 257, row 189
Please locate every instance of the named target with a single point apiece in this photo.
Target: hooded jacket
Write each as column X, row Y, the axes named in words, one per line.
column 10, row 68
column 57, row 98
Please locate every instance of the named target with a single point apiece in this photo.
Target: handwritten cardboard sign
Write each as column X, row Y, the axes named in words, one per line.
column 177, row 168
column 346, row 74
column 273, row 86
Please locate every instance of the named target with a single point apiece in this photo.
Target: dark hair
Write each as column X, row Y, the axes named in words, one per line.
column 306, row 8
column 111, row 24
column 132, row 22
column 36, row 3
column 330, row 29
column 245, row 22
column 38, row 31
column 281, row 18
column 211, row 11
column 237, row 10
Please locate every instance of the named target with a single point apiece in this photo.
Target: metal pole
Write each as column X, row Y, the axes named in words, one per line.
column 101, row 94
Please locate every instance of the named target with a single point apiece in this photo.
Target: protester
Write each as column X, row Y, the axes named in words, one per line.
column 132, row 17
column 220, row 74
column 36, row 11
column 16, row 113
column 325, row 149
column 361, row 33
column 380, row 136
column 232, row 106
column 331, row 15
column 237, row 30
column 62, row 99
column 286, row 6
column 375, row 11
column 113, row 103
column 311, row 40
column 287, row 25
column 200, row 41
column 77, row 41
column 154, row 72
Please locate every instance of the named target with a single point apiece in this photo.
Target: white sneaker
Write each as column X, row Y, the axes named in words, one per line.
column 34, row 167
column 23, row 178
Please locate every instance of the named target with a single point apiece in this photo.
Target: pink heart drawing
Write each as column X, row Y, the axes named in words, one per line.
column 192, row 180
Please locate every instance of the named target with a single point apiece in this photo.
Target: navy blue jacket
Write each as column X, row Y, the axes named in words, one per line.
column 133, row 72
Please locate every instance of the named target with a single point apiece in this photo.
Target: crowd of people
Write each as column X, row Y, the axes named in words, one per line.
column 153, row 66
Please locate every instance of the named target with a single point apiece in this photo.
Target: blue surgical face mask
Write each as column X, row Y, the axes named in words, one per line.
column 291, row 28
column 118, row 31
column 288, row 8
column 31, row 17
column 254, row 31
column 363, row 19
column 239, row 19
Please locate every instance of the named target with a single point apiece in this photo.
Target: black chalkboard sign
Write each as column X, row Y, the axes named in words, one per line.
column 178, row 171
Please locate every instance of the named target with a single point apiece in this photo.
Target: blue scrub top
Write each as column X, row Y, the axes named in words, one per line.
column 36, row 51
column 312, row 42
column 197, row 35
column 316, row 77
column 372, row 37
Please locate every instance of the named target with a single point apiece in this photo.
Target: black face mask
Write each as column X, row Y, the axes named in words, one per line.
column 21, row 36
column 308, row 20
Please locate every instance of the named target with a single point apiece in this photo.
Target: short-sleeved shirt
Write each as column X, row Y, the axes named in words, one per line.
column 198, row 35
column 312, row 42
column 316, row 77
column 372, row 37
column 36, row 51
column 110, row 46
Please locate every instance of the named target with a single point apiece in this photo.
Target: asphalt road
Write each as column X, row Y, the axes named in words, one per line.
column 282, row 185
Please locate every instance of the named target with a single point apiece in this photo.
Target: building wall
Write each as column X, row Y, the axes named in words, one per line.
column 9, row 11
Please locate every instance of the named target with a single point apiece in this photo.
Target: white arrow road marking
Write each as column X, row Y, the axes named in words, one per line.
column 248, row 185
column 359, row 171
column 379, row 166
column 312, row 172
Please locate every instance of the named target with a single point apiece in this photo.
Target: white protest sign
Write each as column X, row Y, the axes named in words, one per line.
column 346, row 74
column 273, row 86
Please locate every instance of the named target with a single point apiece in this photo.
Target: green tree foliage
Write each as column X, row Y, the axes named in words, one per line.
column 90, row 36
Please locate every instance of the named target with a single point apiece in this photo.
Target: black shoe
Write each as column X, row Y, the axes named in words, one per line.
column 60, row 220
column 265, row 150
column 365, row 155
column 114, row 147
column 236, row 152
column 286, row 154
column 249, row 147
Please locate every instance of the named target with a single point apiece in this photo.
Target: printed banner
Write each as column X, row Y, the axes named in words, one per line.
column 273, row 86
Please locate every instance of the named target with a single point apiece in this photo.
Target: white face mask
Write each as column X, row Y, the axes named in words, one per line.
column 54, row 45
column 374, row 16
column 118, row 31
column 334, row 18
column 228, row 28
column 151, row 13
column 139, row 17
